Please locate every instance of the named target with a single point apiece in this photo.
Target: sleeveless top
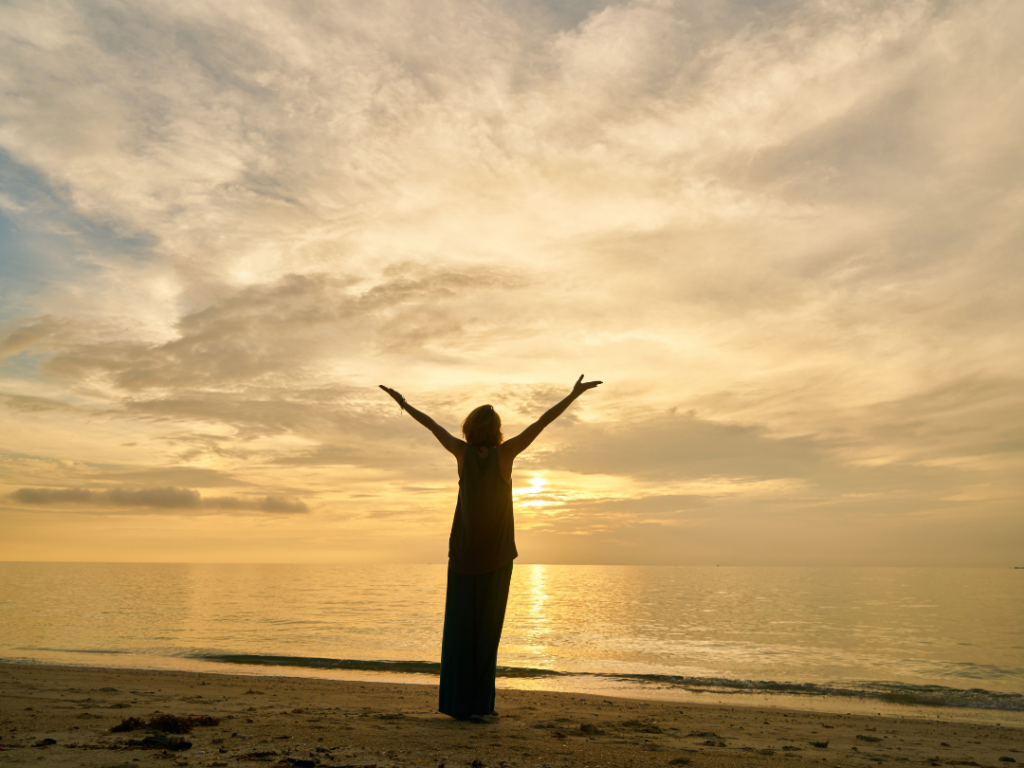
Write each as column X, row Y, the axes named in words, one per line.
column 483, row 534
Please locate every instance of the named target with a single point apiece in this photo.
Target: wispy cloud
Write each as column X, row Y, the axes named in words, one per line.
column 29, row 335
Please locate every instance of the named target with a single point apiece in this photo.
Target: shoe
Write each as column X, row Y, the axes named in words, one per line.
column 492, row 718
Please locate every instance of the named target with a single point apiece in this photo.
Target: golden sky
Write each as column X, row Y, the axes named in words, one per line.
column 787, row 234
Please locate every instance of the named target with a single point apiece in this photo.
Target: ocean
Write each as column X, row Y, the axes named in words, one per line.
column 927, row 642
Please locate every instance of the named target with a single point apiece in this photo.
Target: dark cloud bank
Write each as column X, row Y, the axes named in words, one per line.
column 157, row 498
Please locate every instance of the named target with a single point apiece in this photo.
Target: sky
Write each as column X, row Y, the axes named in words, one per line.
column 786, row 234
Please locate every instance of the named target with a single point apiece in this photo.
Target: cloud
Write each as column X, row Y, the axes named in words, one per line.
column 199, row 477
column 794, row 223
column 172, row 498
column 267, row 332
column 266, row 504
column 28, row 403
column 676, row 445
column 30, row 335
column 664, row 504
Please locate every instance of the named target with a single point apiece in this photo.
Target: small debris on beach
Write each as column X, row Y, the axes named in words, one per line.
column 161, row 741
column 166, row 723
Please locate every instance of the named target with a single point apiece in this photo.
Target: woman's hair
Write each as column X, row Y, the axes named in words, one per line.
column 483, row 426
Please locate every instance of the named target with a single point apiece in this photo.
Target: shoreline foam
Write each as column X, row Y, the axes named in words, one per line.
column 897, row 699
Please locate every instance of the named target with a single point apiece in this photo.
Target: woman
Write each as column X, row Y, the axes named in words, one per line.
column 481, row 549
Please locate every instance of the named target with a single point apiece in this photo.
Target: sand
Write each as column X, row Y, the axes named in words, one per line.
column 63, row 716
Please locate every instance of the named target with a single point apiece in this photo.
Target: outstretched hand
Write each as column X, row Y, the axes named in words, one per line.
column 582, row 386
column 397, row 395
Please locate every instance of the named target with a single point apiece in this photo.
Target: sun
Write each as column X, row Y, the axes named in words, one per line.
column 535, row 486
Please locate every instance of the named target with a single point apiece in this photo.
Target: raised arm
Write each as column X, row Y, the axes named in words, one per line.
column 516, row 445
column 451, row 443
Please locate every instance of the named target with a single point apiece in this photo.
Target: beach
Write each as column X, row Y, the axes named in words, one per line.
column 64, row 716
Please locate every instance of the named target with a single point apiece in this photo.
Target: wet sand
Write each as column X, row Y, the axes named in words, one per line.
column 63, row 716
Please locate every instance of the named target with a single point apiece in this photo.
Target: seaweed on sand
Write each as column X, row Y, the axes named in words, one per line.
column 166, row 723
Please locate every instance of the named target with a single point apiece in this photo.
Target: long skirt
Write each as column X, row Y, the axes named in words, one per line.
column 474, row 612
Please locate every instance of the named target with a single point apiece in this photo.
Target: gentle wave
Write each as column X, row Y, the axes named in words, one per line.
column 70, row 650
column 396, row 667
column 893, row 693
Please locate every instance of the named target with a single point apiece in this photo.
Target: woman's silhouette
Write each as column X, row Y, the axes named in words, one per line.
column 480, row 551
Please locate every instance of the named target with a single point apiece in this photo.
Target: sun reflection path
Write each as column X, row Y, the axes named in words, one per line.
column 530, row 622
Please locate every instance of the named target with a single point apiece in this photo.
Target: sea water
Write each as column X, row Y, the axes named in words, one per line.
column 936, row 642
